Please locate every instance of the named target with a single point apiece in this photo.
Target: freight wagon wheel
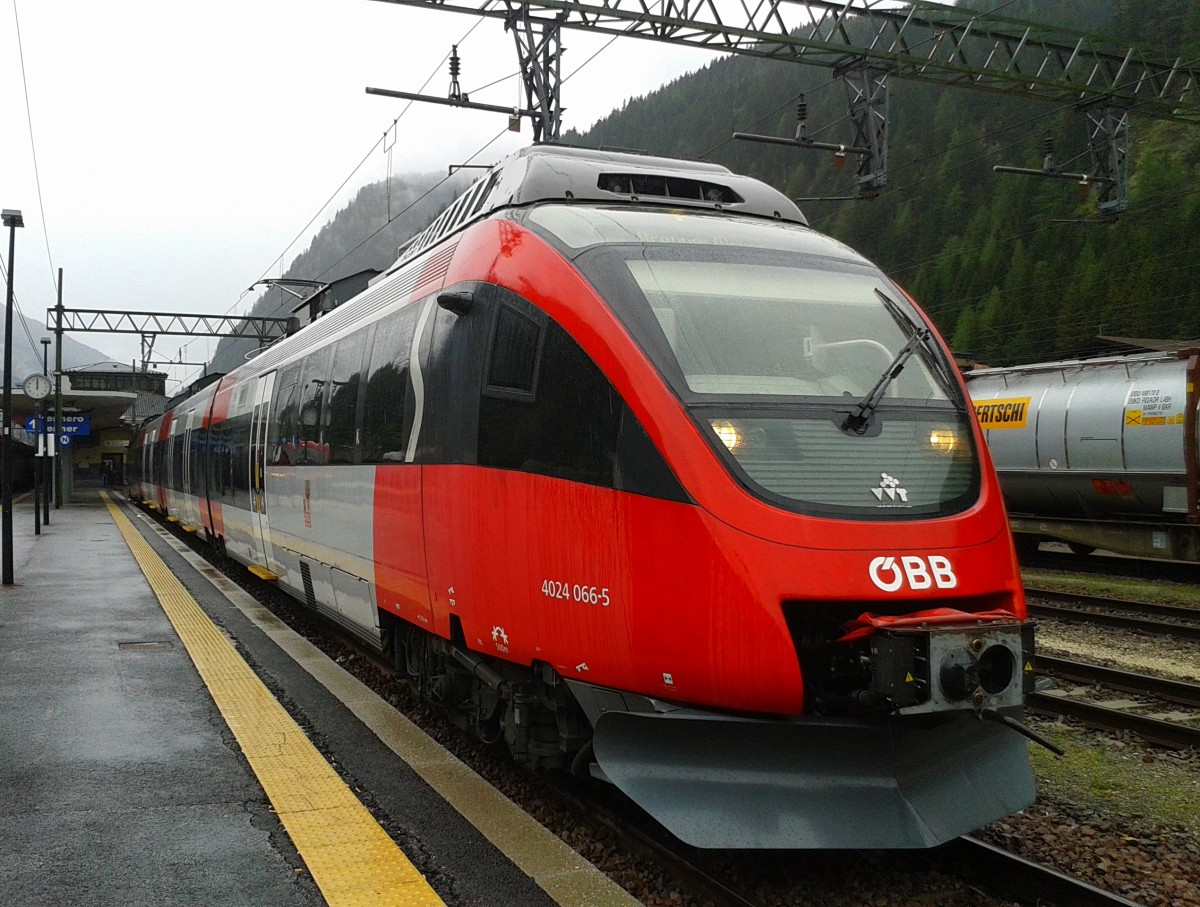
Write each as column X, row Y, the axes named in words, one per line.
column 1026, row 545
column 1080, row 548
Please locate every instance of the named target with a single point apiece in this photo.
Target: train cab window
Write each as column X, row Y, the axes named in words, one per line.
column 574, row 426
column 341, row 438
column 785, row 349
column 387, row 402
column 514, row 353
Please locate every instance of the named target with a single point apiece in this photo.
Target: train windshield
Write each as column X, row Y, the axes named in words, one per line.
column 807, row 368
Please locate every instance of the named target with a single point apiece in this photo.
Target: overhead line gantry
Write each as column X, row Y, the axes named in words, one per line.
column 866, row 42
column 152, row 324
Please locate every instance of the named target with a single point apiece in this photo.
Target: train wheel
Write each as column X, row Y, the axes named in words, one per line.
column 1026, row 545
column 1080, row 548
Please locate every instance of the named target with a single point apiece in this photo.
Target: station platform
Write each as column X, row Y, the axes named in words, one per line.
column 146, row 759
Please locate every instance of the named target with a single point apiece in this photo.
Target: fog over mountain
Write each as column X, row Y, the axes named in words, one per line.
column 27, row 350
column 364, row 234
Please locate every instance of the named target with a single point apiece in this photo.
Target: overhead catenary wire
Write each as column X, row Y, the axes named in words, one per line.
column 33, row 144
column 792, row 101
column 1143, row 207
column 391, row 219
column 33, row 345
column 411, row 205
column 37, row 180
column 476, row 154
column 278, row 261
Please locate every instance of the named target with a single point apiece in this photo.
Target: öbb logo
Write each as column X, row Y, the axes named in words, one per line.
column 890, row 573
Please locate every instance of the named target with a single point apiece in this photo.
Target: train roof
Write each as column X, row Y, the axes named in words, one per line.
column 562, row 173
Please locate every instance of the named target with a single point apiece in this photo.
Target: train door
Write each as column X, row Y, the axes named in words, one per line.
column 259, row 423
column 185, row 442
column 112, row 467
column 175, row 465
column 187, row 505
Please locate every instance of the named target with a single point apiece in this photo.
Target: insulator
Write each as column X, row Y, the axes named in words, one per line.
column 1048, row 160
column 456, row 92
column 801, row 120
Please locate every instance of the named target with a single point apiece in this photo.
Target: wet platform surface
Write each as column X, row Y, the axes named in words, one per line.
column 121, row 782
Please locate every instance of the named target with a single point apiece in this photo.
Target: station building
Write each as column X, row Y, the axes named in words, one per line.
column 103, row 404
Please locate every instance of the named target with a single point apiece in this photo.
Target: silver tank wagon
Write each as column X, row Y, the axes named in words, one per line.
column 1099, row 453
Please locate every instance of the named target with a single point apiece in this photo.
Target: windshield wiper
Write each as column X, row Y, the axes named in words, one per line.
column 919, row 336
column 860, row 416
column 936, row 361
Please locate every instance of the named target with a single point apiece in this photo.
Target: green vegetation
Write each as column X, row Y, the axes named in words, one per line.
column 1113, row 587
column 981, row 251
column 1117, row 778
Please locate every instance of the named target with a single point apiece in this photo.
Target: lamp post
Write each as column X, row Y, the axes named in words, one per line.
column 12, row 220
column 44, row 441
column 59, row 479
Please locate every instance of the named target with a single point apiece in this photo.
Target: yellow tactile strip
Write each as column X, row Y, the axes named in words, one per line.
column 352, row 859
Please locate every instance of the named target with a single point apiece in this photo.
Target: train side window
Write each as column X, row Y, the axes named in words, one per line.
column 285, row 431
column 195, row 457
column 315, row 377
column 175, row 477
column 387, row 404
column 341, row 438
column 235, row 437
column 160, row 463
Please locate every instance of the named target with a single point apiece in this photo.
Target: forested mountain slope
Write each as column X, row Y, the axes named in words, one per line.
column 986, row 254
column 1012, row 269
column 364, row 234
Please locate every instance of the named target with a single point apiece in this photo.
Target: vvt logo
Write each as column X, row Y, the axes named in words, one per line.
column 889, row 486
column 890, row 573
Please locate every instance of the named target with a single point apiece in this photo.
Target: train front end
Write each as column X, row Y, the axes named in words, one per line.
column 833, row 648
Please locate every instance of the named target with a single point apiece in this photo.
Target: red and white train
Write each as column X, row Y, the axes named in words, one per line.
column 627, row 466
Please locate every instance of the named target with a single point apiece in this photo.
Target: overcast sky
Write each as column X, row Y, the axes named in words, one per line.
column 182, row 148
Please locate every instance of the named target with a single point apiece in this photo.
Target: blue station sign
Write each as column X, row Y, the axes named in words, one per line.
column 76, row 425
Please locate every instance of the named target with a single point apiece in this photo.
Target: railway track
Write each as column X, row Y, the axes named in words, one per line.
column 1154, row 715
column 984, row 866
column 992, row 869
column 1024, row 881
column 1178, row 621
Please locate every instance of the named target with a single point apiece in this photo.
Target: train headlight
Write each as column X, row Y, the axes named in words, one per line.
column 944, row 440
column 730, row 434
